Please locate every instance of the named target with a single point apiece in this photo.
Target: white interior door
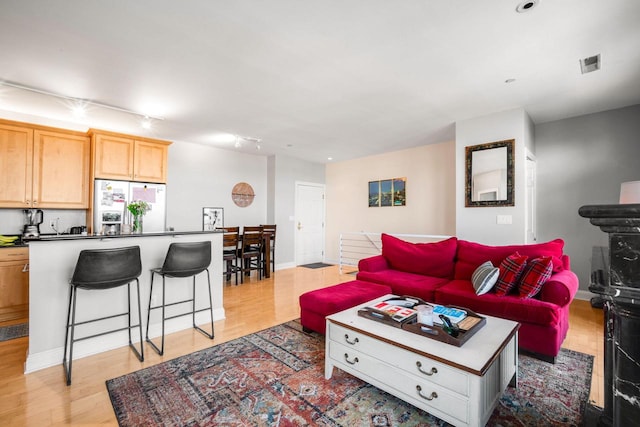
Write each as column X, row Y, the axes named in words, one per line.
column 309, row 223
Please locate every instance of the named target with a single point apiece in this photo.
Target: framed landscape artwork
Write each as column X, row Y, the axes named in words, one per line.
column 388, row 192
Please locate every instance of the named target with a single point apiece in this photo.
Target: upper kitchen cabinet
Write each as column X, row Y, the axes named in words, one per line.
column 128, row 158
column 43, row 167
column 61, row 170
column 16, row 160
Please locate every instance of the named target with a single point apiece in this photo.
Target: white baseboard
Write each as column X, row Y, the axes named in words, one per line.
column 585, row 295
column 285, row 265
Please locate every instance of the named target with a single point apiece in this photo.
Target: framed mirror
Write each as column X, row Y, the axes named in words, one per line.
column 489, row 170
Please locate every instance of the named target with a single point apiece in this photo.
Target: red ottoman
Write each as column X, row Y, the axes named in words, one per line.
column 316, row 305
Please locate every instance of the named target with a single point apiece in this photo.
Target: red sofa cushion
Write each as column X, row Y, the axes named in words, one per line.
column 404, row 283
column 429, row 259
column 470, row 255
column 525, row 310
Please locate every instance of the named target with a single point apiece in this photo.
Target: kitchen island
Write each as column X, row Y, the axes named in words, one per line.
column 52, row 261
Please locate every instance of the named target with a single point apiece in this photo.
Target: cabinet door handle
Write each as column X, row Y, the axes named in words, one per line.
column 346, row 358
column 434, row 395
column 355, row 340
column 25, row 268
column 433, row 369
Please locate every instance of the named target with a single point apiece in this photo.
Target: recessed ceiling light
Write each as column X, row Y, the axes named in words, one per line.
column 527, row 5
column 329, row 158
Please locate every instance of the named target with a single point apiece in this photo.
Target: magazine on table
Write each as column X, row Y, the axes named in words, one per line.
column 456, row 315
column 396, row 309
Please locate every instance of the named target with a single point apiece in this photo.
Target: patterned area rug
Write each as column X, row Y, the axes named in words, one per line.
column 276, row 378
column 14, row 331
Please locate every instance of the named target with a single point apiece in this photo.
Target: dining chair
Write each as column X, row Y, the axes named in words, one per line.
column 250, row 252
column 231, row 244
column 270, row 230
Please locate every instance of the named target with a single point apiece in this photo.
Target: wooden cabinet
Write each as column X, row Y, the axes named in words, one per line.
column 128, row 158
column 61, row 170
column 43, row 168
column 14, row 283
column 16, row 160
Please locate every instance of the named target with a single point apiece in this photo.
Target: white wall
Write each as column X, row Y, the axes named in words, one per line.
column 201, row 176
column 479, row 223
column 582, row 161
column 430, row 209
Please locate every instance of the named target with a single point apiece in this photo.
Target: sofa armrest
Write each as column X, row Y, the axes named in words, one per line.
column 561, row 288
column 373, row 264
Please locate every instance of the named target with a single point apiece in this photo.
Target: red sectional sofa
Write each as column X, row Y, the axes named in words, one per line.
column 441, row 272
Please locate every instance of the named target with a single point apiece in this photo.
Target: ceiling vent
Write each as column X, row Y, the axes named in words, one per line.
column 592, row 63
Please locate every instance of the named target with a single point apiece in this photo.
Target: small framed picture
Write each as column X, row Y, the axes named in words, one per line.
column 212, row 218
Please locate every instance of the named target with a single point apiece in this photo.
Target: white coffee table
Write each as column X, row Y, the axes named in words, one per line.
column 461, row 385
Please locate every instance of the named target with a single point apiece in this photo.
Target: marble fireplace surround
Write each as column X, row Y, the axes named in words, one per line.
column 620, row 292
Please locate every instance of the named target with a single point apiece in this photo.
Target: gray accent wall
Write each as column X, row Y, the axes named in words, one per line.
column 582, row 161
column 285, row 171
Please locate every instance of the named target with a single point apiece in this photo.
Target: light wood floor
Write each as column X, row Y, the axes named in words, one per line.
column 42, row 398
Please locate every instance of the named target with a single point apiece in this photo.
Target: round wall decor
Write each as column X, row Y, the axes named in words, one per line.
column 242, row 194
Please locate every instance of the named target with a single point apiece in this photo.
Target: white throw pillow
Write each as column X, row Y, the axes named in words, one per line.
column 485, row 277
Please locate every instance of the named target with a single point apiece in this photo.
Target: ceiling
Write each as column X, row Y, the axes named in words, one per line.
column 313, row 80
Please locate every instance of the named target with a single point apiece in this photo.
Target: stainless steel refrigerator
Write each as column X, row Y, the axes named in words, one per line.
column 110, row 201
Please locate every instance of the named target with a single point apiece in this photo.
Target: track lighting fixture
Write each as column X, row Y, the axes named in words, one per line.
column 79, row 105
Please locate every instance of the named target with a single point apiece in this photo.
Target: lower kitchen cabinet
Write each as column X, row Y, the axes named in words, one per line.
column 14, row 283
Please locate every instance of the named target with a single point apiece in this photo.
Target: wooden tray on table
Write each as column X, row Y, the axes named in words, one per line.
column 467, row 327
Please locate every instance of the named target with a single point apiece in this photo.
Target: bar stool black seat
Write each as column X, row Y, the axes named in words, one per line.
column 100, row 269
column 182, row 260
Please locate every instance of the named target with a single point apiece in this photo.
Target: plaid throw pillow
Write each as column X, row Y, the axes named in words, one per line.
column 510, row 270
column 536, row 274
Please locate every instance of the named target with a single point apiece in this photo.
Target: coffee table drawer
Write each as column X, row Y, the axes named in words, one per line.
column 412, row 363
column 424, row 394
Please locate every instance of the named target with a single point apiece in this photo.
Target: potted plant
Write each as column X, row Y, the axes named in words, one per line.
column 137, row 209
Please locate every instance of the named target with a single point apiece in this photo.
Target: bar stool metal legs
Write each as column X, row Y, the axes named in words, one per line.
column 182, row 260
column 98, row 270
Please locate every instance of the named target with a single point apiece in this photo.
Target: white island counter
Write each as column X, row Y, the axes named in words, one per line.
column 51, row 265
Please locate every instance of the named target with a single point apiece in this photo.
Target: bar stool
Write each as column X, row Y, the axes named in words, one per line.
column 182, row 260
column 100, row 269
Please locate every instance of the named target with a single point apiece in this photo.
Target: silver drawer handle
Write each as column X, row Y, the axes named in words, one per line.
column 346, row 338
column 434, row 395
column 433, row 369
column 346, row 358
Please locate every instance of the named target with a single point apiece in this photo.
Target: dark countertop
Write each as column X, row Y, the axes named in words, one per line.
column 53, row 237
